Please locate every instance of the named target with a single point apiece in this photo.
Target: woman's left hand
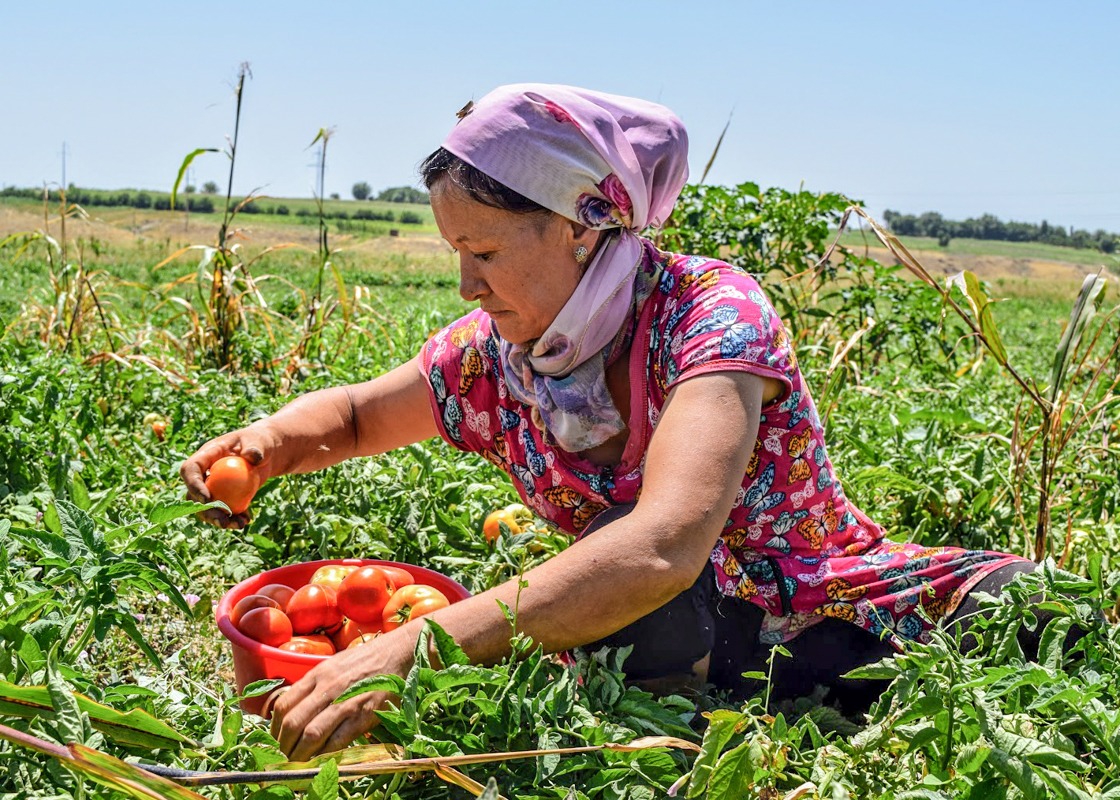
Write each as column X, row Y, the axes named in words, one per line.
column 305, row 719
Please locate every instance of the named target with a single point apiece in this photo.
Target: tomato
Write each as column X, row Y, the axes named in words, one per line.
column 410, row 602
column 233, row 481
column 279, row 592
column 361, row 639
column 332, row 575
column 248, row 603
column 363, row 594
column 400, row 577
column 314, row 645
column 314, row 608
column 352, row 630
column 159, row 428
column 267, row 625
column 491, row 527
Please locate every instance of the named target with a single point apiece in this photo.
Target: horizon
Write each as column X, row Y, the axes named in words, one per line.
column 960, row 110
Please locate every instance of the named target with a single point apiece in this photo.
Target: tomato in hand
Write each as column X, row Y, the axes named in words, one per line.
column 233, row 481
column 248, row 603
column 332, row 575
column 313, row 644
column 410, row 602
column 314, row 608
column 363, row 594
column 279, row 592
column 267, row 625
column 492, row 526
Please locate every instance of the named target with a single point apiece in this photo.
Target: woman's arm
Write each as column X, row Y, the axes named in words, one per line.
column 323, row 428
column 694, row 468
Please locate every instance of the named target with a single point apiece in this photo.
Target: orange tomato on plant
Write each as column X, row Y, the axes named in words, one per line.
column 515, row 516
column 233, row 481
column 410, row 602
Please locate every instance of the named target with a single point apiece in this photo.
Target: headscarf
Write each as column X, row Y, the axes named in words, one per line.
column 606, row 162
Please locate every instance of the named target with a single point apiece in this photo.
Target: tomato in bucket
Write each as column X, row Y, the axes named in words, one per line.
column 253, row 661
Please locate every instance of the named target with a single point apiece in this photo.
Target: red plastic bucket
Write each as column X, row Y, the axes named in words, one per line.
column 253, row 661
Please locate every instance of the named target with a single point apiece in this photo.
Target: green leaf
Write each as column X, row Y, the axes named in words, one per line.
column 393, row 684
column 1051, row 646
column 981, row 305
column 191, row 156
column 72, row 725
column 1083, row 310
column 449, row 651
column 324, row 786
column 972, row 756
column 165, row 512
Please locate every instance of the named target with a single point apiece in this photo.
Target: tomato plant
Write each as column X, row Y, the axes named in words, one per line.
column 314, row 608
column 266, row 625
column 410, row 602
column 233, row 481
column 362, row 595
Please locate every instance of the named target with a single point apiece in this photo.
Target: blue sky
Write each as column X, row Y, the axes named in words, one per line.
column 1011, row 108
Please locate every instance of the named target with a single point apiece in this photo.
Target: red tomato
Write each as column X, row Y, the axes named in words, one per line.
column 248, row 603
column 267, row 625
column 332, row 575
column 410, row 602
column 314, row 608
column 363, row 594
column 315, row 645
column 400, row 577
column 351, row 630
column 364, row 638
column 491, row 527
column 279, row 592
column 233, row 481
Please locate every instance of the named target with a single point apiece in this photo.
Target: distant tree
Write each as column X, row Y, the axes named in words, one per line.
column 403, row 194
column 189, row 188
column 210, row 187
column 361, row 190
column 334, row 196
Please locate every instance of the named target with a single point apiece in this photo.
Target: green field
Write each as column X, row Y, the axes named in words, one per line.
column 987, row 247
column 108, row 582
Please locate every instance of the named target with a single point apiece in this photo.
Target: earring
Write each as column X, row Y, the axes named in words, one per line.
column 581, row 254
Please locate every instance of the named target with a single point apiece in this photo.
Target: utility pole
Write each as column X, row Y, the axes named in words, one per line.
column 63, row 166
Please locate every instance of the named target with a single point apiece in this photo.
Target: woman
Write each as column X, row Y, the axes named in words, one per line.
column 655, row 394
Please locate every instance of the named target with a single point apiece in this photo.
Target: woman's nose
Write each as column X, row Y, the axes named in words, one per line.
column 471, row 285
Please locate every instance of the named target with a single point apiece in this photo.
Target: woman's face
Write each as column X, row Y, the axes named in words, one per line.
column 521, row 268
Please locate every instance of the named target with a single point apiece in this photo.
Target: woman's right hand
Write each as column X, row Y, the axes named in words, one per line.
column 253, row 443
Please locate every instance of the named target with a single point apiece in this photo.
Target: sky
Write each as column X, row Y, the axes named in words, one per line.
column 965, row 108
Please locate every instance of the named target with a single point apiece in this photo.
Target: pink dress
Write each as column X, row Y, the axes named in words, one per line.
column 793, row 543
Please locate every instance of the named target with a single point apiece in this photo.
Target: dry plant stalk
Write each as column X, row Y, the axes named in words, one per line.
column 1062, row 415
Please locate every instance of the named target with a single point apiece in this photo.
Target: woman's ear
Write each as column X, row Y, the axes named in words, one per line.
column 582, row 235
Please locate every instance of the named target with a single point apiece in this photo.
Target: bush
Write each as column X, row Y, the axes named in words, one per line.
column 282, row 211
column 411, row 218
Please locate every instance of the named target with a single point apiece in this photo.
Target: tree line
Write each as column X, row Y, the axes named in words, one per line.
column 989, row 226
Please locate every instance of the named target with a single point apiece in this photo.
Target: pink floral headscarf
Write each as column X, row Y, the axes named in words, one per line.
column 602, row 160
column 606, row 162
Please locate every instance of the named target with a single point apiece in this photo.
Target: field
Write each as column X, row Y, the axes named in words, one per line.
column 1004, row 436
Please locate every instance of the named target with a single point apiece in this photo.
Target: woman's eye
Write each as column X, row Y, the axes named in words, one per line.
column 483, row 257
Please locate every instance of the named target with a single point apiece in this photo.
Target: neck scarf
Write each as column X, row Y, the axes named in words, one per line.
column 606, row 162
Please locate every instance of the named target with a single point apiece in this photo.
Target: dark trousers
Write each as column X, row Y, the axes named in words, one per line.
column 701, row 622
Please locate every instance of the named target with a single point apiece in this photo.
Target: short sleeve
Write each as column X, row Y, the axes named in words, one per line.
column 720, row 320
